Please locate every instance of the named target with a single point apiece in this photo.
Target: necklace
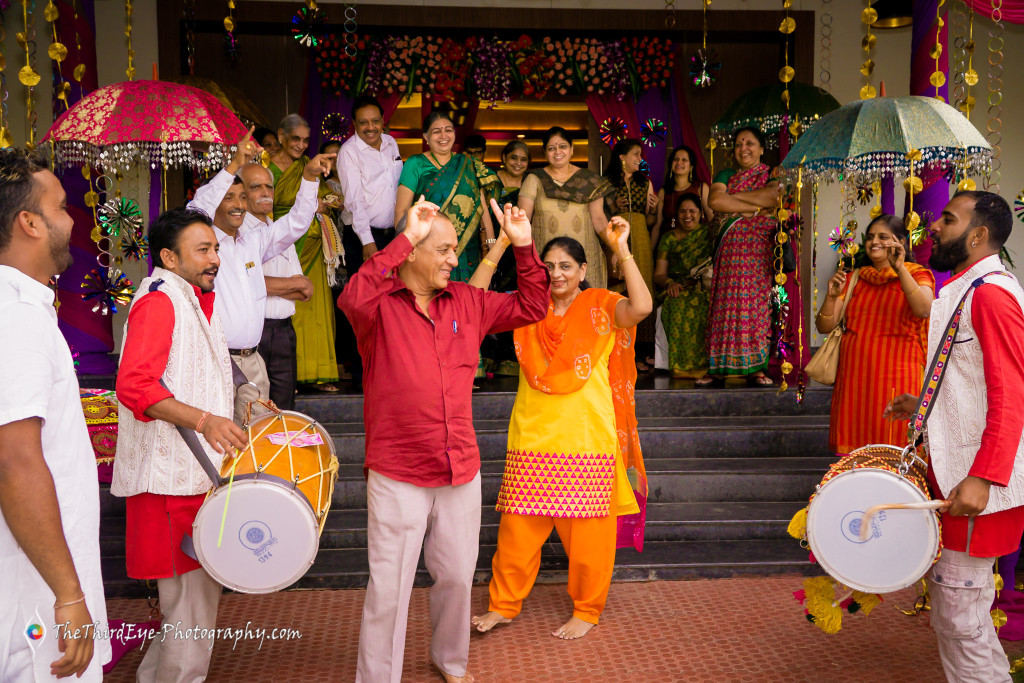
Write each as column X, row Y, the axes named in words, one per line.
column 439, row 164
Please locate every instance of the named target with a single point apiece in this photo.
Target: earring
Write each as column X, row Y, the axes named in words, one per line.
column 673, row 223
column 974, row 244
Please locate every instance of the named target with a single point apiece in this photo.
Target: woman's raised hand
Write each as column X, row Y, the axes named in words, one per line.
column 616, row 235
column 514, row 224
column 897, row 255
column 835, row 285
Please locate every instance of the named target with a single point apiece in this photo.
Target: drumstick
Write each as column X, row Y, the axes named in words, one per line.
column 865, row 521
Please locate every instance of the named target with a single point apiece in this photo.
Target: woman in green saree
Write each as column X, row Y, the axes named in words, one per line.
column 318, row 251
column 684, row 307
column 459, row 184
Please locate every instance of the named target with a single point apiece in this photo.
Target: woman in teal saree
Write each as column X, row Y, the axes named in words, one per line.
column 459, row 184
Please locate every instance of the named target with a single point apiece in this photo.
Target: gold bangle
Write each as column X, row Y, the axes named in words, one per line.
column 625, row 259
column 488, row 262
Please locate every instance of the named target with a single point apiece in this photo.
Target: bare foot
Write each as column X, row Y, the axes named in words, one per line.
column 573, row 629
column 468, row 678
column 489, row 621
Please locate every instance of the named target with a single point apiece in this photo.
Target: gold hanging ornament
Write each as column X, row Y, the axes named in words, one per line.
column 710, row 147
column 938, row 78
column 128, row 11
column 868, row 17
column 787, row 73
column 995, row 93
column 913, row 185
column 27, row 75
column 58, row 53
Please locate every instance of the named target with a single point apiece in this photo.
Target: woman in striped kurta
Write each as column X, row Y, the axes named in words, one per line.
column 882, row 352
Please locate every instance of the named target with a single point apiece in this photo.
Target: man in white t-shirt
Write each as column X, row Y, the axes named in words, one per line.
column 285, row 285
column 51, row 590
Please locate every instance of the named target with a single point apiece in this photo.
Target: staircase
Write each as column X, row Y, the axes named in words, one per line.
column 727, row 469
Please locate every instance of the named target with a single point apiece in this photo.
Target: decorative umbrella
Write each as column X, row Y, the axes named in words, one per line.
column 863, row 140
column 154, row 122
column 763, row 107
column 228, row 95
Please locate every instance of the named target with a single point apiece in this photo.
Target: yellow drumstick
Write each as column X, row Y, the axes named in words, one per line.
column 865, row 521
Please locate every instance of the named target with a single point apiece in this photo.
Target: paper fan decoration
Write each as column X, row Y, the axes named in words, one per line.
column 645, row 169
column 613, row 130
column 134, row 247
column 704, row 67
column 1018, row 206
column 336, row 127
column 308, row 26
column 107, row 291
column 120, row 214
column 839, row 239
column 653, row 132
column 865, row 193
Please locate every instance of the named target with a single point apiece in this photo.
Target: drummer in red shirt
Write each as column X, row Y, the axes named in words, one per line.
column 973, row 434
column 174, row 335
column 419, row 336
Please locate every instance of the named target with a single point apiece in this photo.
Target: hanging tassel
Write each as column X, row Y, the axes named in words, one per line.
column 867, row 601
column 798, row 525
column 822, row 605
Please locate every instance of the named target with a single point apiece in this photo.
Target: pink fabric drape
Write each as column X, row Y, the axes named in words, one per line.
column 1012, row 10
column 603, row 107
column 683, row 120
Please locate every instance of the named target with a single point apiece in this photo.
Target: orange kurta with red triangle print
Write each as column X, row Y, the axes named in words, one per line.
column 564, row 457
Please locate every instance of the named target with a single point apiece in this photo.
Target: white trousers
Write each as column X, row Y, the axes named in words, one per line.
column 187, row 601
column 962, row 590
column 444, row 522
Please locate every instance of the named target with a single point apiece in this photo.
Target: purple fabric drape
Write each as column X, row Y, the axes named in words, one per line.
column 654, row 104
column 89, row 334
column 929, row 202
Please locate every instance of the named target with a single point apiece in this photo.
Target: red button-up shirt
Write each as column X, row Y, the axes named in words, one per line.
column 999, row 325
column 418, row 371
column 146, row 348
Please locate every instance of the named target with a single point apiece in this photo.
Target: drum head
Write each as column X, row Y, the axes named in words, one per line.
column 901, row 546
column 270, row 536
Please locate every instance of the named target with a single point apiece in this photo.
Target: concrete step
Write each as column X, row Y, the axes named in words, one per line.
column 665, row 522
column 670, row 480
column 673, row 560
column 655, row 397
column 662, row 437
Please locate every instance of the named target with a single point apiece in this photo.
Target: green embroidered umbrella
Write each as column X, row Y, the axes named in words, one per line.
column 764, row 108
column 864, row 140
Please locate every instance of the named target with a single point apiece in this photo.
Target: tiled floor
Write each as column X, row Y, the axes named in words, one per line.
column 746, row 629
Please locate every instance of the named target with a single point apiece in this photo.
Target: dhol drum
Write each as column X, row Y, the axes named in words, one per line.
column 898, row 546
column 260, row 532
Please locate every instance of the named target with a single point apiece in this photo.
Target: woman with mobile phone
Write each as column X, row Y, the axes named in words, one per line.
column 882, row 352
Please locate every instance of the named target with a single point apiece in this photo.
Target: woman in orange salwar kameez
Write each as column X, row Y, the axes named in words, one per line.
column 574, row 461
column 882, row 352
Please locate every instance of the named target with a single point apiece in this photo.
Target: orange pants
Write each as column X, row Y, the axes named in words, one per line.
column 589, row 542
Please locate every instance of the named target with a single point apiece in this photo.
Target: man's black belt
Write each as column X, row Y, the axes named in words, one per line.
column 244, row 353
column 277, row 322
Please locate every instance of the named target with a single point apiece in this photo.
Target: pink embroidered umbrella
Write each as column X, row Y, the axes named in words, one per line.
column 155, row 122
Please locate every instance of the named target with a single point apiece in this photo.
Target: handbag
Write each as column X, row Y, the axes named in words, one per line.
column 824, row 363
column 704, row 273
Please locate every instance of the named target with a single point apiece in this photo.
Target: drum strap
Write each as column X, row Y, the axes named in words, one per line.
column 940, row 361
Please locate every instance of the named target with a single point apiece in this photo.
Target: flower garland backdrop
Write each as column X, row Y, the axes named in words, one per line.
column 494, row 70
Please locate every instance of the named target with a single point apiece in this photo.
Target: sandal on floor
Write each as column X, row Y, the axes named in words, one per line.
column 327, row 388
column 710, row 381
column 759, row 379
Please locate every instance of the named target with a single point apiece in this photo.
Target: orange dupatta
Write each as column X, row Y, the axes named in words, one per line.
column 556, row 355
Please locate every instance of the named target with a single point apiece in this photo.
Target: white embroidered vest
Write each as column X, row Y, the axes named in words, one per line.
column 954, row 427
column 151, row 456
